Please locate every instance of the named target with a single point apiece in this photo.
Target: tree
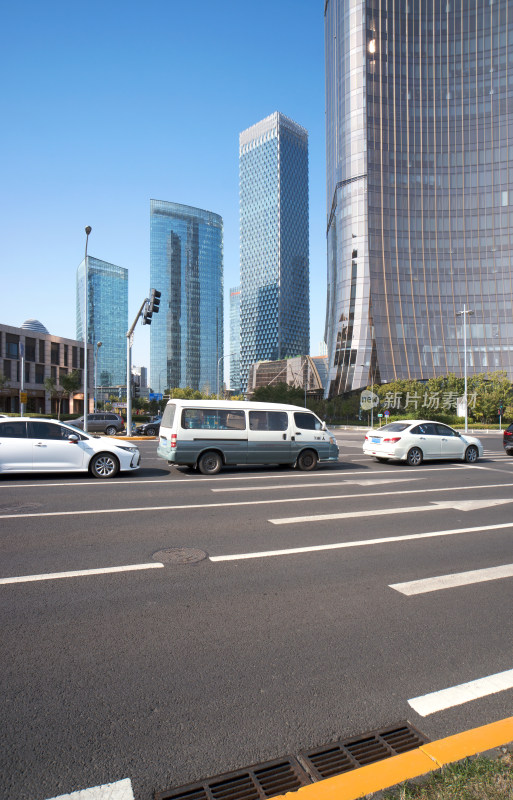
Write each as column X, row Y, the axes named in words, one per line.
column 279, row 393
column 54, row 391
column 70, row 383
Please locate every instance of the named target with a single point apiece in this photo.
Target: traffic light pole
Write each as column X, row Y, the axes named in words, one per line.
column 129, row 343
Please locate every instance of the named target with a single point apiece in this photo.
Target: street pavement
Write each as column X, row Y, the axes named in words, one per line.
column 302, row 620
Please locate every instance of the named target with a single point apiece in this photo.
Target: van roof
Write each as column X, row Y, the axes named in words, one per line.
column 238, row 404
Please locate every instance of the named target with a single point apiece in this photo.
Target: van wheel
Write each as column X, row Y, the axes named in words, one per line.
column 210, row 463
column 307, row 460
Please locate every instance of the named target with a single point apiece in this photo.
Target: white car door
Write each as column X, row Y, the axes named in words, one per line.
column 15, row 447
column 52, row 449
column 426, row 437
column 452, row 444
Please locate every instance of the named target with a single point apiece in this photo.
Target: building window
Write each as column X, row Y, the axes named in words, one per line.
column 11, row 346
column 61, row 373
column 27, row 372
column 42, row 351
column 54, row 356
column 7, row 369
column 30, row 349
column 53, row 373
column 65, row 355
column 74, row 357
column 40, row 373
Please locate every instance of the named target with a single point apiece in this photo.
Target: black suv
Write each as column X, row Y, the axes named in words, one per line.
column 507, row 440
column 101, row 422
column 151, row 428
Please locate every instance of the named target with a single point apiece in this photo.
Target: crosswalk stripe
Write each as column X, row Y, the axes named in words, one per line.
column 120, row 790
column 457, row 695
column 450, row 581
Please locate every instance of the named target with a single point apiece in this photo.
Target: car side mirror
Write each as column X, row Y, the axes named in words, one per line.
column 323, row 428
column 73, row 438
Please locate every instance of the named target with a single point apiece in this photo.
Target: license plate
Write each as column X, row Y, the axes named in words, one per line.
column 375, row 440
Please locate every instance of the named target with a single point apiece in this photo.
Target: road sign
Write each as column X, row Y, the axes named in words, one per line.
column 23, row 397
column 380, row 415
column 387, row 413
column 154, row 396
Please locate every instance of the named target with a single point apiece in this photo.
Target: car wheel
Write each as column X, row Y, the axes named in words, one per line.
column 414, row 457
column 471, row 454
column 509, row 452
column 111, row 430
column 104, row 465
column 151, row 432
column 210, row 463
column 307, row 460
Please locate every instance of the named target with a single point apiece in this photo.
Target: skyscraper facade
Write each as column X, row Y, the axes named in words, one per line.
column 419, row 205
column 186, row 266
column 274, row 268
column 235, row 339
column 107, row 318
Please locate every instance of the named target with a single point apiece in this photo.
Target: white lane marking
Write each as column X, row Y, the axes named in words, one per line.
column 455, row 579
column 190, row 506
column 363, row 482
column 293, row 476
column 120, row 790
column 362, row 543
column 459, row 505
column 51, row 576
column 456, row 695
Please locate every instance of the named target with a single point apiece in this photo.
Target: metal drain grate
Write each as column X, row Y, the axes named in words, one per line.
column 339, row 757
column 251, row 783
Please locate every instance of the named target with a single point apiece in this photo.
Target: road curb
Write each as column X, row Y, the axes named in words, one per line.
column 428, row 758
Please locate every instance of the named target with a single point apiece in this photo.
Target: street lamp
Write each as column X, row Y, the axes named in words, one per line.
column 228, row 355
column 98, row 345
column 86, row 314
column 464, row 315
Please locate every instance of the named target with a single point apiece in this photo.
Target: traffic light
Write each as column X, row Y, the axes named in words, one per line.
column 501, row 408
column 155, row 301
column 147, row 314
column 136, row 390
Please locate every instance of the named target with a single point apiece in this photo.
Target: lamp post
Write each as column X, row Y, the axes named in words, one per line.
column 98, row 345
column 228, row 355
column 371, row 373
column 86, row 314
column 466, row 311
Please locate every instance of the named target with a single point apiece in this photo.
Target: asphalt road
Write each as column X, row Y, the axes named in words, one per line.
column 165, row 675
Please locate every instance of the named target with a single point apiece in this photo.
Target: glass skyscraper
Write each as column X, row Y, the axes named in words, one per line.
column 274, row 269
column 186, row 265
column 419, row 167
column 235, row 339
column 107, row 320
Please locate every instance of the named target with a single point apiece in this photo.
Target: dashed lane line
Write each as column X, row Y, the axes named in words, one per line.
column 457, row 695
column 450, row 581
column 361, row 543
column 79, row 573
column 112, row 484
column 120, row 790
column 233, row 504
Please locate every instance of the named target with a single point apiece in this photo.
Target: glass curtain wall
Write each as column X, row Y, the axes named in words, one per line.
column 186, row 266
column 419, row 154
column 107, row 317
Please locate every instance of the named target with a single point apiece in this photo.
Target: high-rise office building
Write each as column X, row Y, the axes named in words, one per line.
column 419, row 204
column 107, row 320
column 186, row 266
column 274, row 273
column 235, row 339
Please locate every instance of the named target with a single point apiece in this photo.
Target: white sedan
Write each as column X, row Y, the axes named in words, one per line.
column 37, row 445
column 416, row 441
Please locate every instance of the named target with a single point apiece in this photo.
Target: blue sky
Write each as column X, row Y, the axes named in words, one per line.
column 108, row 104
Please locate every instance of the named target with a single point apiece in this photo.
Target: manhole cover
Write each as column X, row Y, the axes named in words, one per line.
column 18, row 507
column 180, row 555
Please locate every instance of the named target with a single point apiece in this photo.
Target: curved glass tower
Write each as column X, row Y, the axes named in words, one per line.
column 186, row 265
column 419, row 206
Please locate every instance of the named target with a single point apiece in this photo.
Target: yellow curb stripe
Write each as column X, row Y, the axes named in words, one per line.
column 425, row 759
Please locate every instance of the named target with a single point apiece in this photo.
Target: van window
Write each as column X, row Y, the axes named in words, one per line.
column 168, row 415
column 268, row 421
column 307, row 421
column 213, row 419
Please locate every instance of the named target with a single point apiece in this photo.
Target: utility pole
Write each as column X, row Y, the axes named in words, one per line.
column 149, row 306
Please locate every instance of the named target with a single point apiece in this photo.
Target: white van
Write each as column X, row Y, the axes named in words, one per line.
column 210, row 433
